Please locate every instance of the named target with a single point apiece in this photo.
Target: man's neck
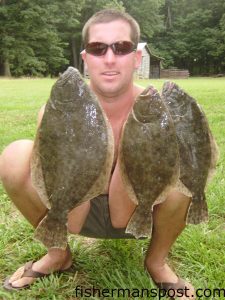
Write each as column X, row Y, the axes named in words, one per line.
column 117, row 108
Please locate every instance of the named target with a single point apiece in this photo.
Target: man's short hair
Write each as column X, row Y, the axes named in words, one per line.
column 109, row 15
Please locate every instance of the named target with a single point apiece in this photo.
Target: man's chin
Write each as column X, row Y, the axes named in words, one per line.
column 109, row 91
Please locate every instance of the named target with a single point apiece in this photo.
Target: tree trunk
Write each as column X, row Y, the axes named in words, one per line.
column 6, row 68
column 168, row 19
column 74, row 52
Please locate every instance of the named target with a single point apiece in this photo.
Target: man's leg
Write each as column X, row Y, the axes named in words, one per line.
column 15, row 176
column 168, row 223
column 120, row 206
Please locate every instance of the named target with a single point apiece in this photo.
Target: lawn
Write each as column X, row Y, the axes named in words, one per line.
column 198, row 255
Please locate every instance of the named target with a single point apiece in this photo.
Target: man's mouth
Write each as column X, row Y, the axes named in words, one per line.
column 110, row 73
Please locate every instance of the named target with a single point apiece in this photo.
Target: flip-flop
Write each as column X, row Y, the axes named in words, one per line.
column 28, row 272
column 179, row 285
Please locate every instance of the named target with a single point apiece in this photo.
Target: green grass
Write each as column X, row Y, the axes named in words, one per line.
column 198, row 254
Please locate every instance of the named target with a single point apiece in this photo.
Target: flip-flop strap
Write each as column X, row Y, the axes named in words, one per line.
column 180, row 284
column 28, row 272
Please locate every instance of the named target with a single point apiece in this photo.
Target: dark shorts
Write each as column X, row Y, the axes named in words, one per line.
column 98, row 223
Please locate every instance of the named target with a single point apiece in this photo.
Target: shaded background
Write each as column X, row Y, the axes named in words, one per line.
column 41, row 38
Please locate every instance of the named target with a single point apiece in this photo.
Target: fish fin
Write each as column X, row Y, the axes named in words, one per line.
column 140, row 224
column 198, row 210
column 37, row 178
column 214, row 157
column 51, row 233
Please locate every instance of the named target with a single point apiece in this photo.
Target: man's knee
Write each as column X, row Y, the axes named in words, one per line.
column 14, row 163
column 177, row 201
column 174, row 208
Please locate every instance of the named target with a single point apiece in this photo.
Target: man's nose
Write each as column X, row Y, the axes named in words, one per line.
column 109, row 56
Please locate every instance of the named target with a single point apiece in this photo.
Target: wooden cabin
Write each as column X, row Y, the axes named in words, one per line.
column 150, row 65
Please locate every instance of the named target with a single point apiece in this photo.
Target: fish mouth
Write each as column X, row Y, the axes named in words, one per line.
column 142, row 110
column 148, row 92
column 168, row 87
column 145, row 110
column 70, row 74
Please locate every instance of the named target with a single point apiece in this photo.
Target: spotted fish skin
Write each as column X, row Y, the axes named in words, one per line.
column 148, row 158
column 197, row 147
column 73, row 154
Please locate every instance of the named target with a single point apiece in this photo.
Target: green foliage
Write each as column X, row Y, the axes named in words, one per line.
column 28, row 38
column 39, row 38
column 195, row 37
column 146, row 12
column 42, row 38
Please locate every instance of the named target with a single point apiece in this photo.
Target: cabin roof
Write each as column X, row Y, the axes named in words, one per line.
column 143, row 45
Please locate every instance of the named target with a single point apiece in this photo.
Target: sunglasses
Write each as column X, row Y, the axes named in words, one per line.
column 118, row 48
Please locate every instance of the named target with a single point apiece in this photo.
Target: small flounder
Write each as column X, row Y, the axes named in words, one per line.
column 72, row 156
column 197, row 147
column 148, row 158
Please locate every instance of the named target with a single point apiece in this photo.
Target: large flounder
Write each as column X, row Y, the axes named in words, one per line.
column 197, row 148
column 148, row 157
column 73, row 154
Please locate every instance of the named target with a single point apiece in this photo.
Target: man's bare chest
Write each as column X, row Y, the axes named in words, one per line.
column 117, row 131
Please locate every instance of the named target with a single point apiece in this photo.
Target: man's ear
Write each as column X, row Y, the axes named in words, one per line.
column 138, row 58
column 83, row 55
column 84, row 58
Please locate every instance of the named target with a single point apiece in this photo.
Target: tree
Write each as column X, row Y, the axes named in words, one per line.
column 195, row 38
column 67, row 22
column 29, row 42
column 42, row 38
column 146, row 12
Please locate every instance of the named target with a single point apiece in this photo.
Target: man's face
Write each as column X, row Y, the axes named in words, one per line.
column 111, row 75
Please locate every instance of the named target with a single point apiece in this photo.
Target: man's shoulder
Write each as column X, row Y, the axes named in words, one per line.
column 138, row 89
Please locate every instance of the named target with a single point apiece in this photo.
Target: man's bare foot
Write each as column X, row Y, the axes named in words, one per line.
column 54, row 260
column 162, row 273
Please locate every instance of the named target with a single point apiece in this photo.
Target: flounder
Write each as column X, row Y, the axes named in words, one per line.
column 72, row 156
column 197, row 147
column 148, row 157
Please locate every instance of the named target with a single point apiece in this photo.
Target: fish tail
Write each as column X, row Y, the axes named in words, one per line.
column 52, row 233
column 198, row 210
column 140, row 224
